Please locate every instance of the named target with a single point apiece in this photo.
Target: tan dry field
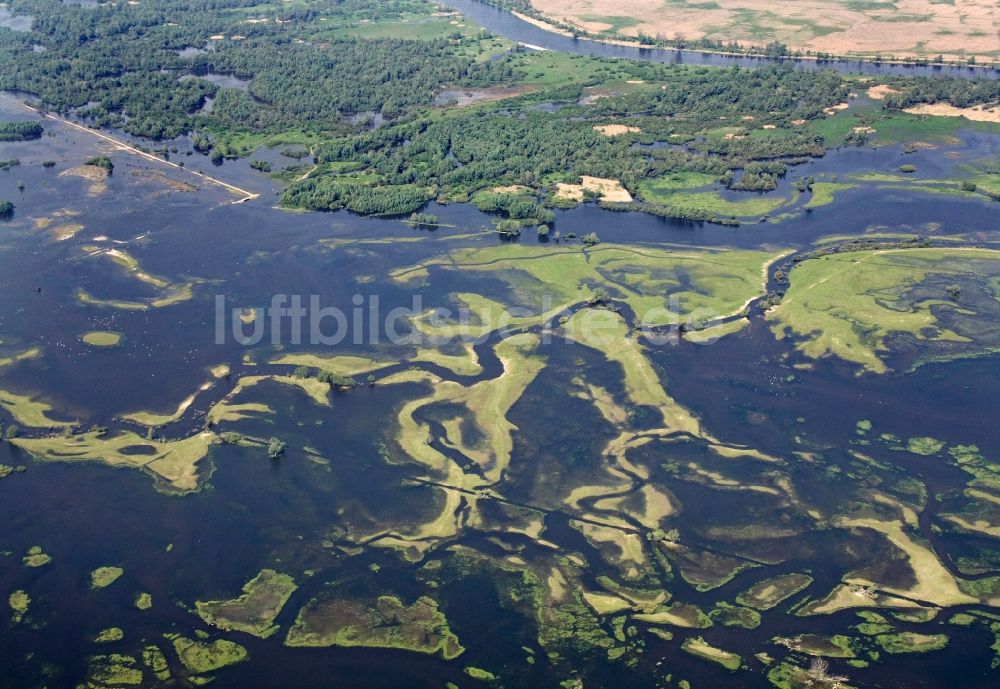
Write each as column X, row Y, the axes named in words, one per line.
column 841, row 27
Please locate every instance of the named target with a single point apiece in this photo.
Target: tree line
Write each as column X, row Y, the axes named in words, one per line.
column 20, row 131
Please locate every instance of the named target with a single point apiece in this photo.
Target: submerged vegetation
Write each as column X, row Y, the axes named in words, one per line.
column 661, row 286
column 624, row 504
column 174, row 464
column 699, row 647
column 101, row 338
column 623, row 457
column 766, row 594
column 19, row 602
column 109, row 635
column 102, row 577
column 851, row 304
column 200, row 657
column 36, row 557
column 253, row 612
column 912, row 642
column 388, row 623
column 144, row 601
column 113, row 670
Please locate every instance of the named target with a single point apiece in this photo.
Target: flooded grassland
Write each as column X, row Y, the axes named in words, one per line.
column 688, row 455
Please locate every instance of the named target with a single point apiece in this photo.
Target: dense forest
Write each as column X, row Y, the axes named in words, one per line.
column 961, row 93
column 518, row 144
column 120, row 64
column 300, row 84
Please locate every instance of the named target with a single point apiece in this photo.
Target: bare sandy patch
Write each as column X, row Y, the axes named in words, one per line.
column 770, row 126
column 798, row 123
column 977, row 113
column 97, row 176
column 834, row 109
column 608, row 189
column 570, row 192
column 92, row 173
column 45, row 221
column 635, row 81
column 880, row 91
column 615, row 129
column 61, row 233
column 540, row 24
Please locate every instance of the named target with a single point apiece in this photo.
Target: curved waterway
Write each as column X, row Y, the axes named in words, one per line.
column 509, row 26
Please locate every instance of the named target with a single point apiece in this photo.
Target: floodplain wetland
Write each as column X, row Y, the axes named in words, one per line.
column 634, row 450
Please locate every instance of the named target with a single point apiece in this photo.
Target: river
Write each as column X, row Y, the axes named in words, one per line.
column 505, row 24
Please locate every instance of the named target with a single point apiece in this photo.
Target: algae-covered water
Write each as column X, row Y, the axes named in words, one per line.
column 541, row 507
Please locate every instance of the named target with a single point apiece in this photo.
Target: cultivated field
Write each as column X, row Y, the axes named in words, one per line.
column 954, row 28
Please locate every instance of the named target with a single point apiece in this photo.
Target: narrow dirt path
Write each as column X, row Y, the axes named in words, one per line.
column 243, row 193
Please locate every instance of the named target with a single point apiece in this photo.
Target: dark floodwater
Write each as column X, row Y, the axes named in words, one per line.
column 507, row 25
column 255, row 513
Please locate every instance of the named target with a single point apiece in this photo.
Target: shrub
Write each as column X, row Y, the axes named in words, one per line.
column 509, row 228
column 336, row 380
column 275, row 448
column 102, row 161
